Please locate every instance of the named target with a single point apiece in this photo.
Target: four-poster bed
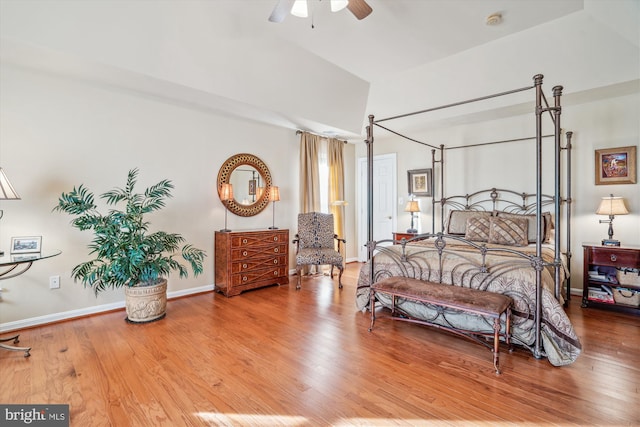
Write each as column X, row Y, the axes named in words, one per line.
column 496, row 240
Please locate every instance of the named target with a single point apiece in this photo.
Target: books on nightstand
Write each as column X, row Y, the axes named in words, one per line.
column 603, row 294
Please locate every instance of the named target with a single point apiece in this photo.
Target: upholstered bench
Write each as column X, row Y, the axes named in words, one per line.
column 450, row 298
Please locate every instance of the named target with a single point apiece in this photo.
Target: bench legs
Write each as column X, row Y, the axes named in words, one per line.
column 496, row 328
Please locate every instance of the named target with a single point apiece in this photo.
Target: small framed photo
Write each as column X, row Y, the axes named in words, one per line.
column 420, row 182
column 616, row 166
column 25, row 245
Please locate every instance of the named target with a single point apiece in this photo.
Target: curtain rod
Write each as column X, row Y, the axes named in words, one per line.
column 298, row 132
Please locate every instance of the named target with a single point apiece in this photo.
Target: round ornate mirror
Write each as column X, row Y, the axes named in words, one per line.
column 251, row 181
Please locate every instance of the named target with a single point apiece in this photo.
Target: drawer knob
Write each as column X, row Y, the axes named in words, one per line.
column 244, row 265
column 614, row 258
column 244, row 278
column 275, row 273
column 275, row 238
column 244, row 253
column 275, row 261
column 276, row 250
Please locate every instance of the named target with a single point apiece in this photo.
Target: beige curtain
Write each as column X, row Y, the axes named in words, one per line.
column 309, row 174
column 335, row 149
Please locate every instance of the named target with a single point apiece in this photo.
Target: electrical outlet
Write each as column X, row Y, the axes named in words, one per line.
column 54, row 282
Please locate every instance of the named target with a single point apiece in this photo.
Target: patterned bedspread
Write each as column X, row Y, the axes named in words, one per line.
column 505, row 270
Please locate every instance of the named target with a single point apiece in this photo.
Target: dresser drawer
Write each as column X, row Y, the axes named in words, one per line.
column 255, row 264
column 255, row 239
column 258, row 275
column 615, row 257
column 238, row 254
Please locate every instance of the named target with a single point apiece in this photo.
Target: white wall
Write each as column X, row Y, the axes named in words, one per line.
column 57, row 132
column 608, row 123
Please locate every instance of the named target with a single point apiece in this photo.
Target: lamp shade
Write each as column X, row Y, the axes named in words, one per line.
column 274, row 193
column 612, row 206
column 6, row 189
column 226, row 192
column 412, row 206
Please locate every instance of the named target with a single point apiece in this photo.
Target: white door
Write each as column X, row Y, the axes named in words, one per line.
column 384, row 196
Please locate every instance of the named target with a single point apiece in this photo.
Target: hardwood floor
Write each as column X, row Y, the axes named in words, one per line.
column 280, row 357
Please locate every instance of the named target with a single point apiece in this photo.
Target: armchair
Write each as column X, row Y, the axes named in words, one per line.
column 316, row 244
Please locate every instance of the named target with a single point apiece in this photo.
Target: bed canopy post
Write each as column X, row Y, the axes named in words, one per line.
column 434, row 200
column 537, row 351
column 557, row 110
column 568, row 210
column 433, row 192
column 369, row 142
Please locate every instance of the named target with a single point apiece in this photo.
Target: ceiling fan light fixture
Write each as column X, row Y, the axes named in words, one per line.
column 338, row 5
column 300, row 9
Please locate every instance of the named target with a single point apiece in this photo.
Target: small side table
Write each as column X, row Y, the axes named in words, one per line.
column 399, row 235
column 15, row 265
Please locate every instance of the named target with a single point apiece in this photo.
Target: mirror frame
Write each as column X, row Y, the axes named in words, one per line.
column 224, row 176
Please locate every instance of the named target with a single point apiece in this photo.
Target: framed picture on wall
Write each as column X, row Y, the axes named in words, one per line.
column 616, row 165
column 25, row 245
column 420, row 182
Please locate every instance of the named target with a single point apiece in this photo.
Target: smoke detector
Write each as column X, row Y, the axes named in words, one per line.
column 494, row 19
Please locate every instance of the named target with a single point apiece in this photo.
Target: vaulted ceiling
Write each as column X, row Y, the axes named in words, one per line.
column 326, row 73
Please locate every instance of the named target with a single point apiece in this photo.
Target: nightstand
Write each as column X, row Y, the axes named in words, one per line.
column 621, row 258
column 399, row 235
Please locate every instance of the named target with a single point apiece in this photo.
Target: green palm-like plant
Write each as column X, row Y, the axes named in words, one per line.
column 126, row 254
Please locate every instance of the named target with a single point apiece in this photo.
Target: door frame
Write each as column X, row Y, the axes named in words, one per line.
column 362, row 193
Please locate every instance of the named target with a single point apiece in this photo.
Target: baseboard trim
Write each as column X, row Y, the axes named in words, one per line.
column 82, row 312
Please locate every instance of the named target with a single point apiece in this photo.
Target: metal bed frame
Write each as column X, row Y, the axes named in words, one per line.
column 541, row 107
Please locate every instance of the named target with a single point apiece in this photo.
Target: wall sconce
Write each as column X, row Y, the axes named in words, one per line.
column 226, row 194
column 412, row 206
column 274, row 196
column 611, row 206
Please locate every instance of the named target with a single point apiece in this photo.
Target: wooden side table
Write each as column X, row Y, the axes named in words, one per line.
column 618, row 257
column 399, row 235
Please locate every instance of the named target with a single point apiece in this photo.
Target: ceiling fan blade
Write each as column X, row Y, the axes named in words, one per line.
column 281, row 10
column 359, row 8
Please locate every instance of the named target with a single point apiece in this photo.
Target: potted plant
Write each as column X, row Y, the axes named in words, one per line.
column 126, row 253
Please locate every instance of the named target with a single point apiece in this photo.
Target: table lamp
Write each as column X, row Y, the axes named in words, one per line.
column 226, row 194
column 274, row 196
column 6, row 193
column 412, row 206
column 611, row 206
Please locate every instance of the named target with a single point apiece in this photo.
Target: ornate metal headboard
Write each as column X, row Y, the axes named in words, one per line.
column 492, row 199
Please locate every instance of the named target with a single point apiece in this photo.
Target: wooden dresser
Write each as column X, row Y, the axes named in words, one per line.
column 250, row 259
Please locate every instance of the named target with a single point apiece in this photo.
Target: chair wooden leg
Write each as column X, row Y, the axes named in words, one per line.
column 341, row 268
column 299, row 274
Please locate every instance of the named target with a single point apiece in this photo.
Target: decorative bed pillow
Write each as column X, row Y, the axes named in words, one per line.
column 478, row 228
column 547, row 224
column 508, row 231
column 457, row 223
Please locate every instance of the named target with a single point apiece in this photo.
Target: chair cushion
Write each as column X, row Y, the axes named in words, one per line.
column 318, row 256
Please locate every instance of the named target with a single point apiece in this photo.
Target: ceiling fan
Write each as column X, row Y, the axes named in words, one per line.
column 359, row 8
